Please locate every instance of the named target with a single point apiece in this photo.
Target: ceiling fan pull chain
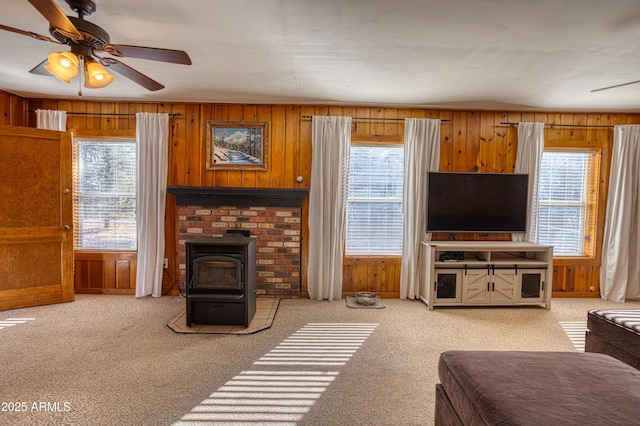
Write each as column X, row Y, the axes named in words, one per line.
column 80, row 75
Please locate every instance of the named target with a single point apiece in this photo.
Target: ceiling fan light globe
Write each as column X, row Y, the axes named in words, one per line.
column 63, row 65
column 96, row 76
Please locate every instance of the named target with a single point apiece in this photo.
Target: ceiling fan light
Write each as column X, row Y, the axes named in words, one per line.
column 63, row 65
column 96, row 76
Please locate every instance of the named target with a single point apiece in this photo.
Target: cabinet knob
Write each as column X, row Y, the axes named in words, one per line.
column 66, row 227
column 66, row 191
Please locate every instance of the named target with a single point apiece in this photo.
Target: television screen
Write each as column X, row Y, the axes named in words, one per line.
column 477, row 202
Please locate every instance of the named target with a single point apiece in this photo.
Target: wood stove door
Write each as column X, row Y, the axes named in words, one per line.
column 217, row 274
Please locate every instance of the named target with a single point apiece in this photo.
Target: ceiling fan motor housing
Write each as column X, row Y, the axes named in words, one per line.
column 92, row 34
column 82, row 7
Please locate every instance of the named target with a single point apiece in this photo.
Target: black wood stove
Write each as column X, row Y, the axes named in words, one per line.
column 221, row 280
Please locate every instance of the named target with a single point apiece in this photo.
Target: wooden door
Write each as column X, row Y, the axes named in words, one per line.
column 36, row 244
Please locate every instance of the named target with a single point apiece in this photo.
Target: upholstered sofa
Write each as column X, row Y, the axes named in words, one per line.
column 535, row 388
column 615, row 332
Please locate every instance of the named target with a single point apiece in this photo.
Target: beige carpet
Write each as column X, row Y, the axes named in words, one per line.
column 112, row 360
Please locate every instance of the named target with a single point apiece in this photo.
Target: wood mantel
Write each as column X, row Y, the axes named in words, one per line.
column 241, row 197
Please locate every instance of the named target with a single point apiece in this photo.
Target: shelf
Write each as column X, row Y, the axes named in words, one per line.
column 525, row 263
column 461, row 264
column 486, row 246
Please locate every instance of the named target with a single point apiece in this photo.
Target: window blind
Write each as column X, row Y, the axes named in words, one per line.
column 105, row 195
column 563, row 201
column 374, row 200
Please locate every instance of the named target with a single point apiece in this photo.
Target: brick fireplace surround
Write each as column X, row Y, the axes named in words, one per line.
column 272, row 216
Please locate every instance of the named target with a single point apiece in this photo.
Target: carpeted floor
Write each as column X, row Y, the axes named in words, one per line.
column 107, row 360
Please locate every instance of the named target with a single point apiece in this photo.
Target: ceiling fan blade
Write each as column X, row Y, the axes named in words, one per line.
column 56, row 17
column 28, row 33
column 151, row 53
column 131, row 74
column 39, row 69
column 614, row 86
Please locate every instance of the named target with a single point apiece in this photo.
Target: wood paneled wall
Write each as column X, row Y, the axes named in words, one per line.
column 105, row 272
column 13, row 111
column 470, row 141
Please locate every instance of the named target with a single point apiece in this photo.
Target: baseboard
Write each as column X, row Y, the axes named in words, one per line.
column 578, row 294
column 105, row 291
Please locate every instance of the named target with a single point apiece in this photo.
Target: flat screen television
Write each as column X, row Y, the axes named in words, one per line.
column 477, row 202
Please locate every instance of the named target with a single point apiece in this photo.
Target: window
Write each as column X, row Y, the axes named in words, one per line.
column 104, row 189
column 374, row 200
column 567, row 197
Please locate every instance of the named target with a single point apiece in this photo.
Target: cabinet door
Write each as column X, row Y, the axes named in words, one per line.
column 476, row 286
column 531, row 284
column 504, row 285
column 448, row 285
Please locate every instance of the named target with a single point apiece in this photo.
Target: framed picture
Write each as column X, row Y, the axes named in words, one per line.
column 240, row 145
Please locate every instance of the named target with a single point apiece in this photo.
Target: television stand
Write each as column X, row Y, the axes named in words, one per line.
column 485, row 273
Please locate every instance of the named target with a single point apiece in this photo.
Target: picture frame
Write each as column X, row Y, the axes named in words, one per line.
column 237, row 145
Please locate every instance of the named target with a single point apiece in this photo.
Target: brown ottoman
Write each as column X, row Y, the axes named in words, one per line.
column 535, row 388
column 614, row 332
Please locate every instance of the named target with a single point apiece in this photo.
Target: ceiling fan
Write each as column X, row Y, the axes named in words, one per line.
column 88, row 42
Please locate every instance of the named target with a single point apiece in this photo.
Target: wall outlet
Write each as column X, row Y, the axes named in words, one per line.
column 165, row 263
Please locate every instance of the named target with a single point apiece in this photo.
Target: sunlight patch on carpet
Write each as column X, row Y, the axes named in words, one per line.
column 12, row 322
column 283, row 397
column 319, row 344
column 576, row 332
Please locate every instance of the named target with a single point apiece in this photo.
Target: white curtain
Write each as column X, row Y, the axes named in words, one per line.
column 421, row 155
column 51, row 119
column 620, row 267
column 152, row 137
column 528, row 159
column 330, row 146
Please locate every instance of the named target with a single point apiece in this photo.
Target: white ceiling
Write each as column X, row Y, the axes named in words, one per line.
column 471, row 54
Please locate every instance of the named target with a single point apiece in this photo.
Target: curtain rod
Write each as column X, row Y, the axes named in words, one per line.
column 109, row 114
column 374, row 118
column 510, row 123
